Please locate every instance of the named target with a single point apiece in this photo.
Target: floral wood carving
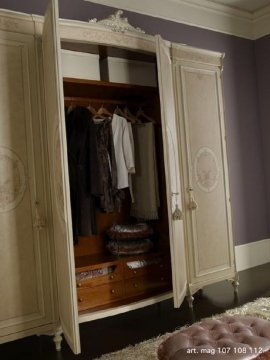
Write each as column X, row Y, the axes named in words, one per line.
column 117, row 23
column 12, row 179
column 8, row 24
column 206, row 169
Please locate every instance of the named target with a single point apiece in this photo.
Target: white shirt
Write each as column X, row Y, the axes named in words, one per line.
column 124, row 150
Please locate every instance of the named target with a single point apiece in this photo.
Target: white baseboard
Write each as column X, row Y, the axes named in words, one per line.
column 252, row 254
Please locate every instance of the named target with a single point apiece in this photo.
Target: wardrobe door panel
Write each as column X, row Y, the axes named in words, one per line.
column 207, row 208
column 25, row 283
column 171, row 159
column 62, row 226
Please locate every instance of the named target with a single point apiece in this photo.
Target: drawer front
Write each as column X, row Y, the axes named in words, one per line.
column 99, row 295
column 100, row 275
column 156, row 268
column 146, row 284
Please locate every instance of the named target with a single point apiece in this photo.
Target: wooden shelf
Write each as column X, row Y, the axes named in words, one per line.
column 88, row 261
column 107, row 91
column 91, row 261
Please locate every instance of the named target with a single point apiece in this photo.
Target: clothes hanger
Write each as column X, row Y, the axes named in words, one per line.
column 91, row 109
column 119, row 111
column 141, row 113
column 70, row 108
column 129, row 116
column 103, row 111
column 125, row 114
column 102, row 114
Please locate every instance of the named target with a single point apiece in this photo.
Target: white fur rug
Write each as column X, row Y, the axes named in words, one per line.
column 147, row 350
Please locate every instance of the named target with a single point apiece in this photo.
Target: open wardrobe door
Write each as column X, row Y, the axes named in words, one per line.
column 171, row 159
column 61, row 213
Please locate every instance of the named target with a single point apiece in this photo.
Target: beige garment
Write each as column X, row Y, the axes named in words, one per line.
column 124, row 150
column 145, row 181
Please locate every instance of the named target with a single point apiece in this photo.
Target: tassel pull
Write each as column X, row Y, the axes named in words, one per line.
column 192, row 203
column 177, row 214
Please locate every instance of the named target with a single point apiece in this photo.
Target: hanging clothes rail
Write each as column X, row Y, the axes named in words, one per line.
column 85, row 101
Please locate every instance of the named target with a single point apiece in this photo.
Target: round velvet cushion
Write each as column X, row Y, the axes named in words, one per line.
column 127, row 247
column 230, row 337
column 130, row 231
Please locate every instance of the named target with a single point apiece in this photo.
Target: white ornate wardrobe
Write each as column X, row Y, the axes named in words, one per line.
column 38, row 262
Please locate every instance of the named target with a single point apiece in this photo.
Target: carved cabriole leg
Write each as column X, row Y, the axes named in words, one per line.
column 235, row 283
column 190, row 298
column 58, row 338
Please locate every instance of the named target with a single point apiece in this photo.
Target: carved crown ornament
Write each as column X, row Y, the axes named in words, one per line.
column 117, row 23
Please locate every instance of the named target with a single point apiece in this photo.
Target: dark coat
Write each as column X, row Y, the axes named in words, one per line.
column 83, row 170
column 107, row 166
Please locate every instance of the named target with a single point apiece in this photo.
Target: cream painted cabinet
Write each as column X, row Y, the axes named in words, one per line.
column 194, row 152
column 35, row 208
column 26, row 286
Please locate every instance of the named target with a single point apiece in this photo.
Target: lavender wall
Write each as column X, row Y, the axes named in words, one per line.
column 28, row 6
column 262, row 51
column 244, row 136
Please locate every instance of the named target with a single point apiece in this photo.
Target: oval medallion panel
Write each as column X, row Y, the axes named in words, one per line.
column 206, row 169
column 12, row 179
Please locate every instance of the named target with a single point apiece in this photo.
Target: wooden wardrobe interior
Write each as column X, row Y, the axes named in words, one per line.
column 80, row 92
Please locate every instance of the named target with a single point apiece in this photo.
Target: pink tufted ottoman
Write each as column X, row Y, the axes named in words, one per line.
column 230, row 337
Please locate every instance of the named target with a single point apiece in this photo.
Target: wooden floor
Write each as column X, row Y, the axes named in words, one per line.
column 111, row 334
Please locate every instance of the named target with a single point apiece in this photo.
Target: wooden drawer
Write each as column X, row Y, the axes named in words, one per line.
column 146, row 284
column 152, row 266
column 99, row 295
column 115, row 273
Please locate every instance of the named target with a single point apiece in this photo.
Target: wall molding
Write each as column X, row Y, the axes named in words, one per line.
column 252, row 254
column 201, row 13
column 261, row 23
